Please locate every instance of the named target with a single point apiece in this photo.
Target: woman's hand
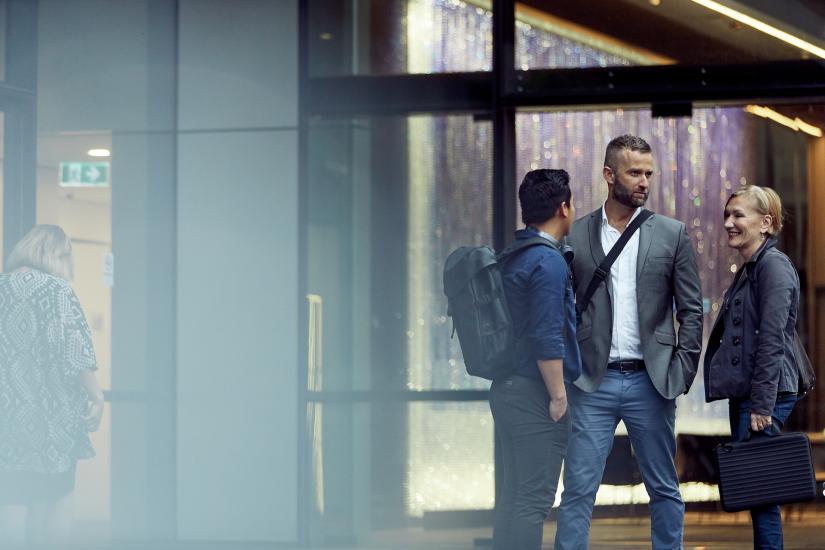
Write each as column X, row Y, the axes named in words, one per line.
column 94, row 414
column 759, row 422
column 94, row 405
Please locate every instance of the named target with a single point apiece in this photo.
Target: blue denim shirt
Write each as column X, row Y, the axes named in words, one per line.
column 539, row 289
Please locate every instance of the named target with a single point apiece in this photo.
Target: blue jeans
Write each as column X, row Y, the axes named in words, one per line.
column 532, row 450
column 650, row 420
column 767, row 521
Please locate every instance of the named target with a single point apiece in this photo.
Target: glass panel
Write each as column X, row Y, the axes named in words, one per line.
column 2, row 191
column 592, row 33
column 73, row 191
column 389, row 199
column 3, row 34
column 393, row 465
column 699, row 161
column 399, row 36
column 450, row 462
column 98, row 89
column 450, row 206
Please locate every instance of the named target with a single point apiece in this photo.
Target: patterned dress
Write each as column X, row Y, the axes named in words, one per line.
column 45, row 344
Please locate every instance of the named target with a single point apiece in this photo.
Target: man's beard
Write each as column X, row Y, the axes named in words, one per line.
column 624, row 196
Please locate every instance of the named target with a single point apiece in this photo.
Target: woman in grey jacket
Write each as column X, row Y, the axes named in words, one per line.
column 750, row 358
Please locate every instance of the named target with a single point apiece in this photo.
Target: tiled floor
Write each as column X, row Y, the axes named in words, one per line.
column 804, row 529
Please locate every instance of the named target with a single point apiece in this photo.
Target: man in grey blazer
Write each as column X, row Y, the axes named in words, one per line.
column 633, row 364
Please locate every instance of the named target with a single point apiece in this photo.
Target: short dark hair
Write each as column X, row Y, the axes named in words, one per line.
column 627, row 141
column 541, row 193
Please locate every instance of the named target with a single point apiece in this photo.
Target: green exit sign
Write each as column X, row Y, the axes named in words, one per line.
column 84, row 174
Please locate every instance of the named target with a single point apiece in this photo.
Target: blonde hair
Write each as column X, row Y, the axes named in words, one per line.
column 765, row 201
column 45, row 248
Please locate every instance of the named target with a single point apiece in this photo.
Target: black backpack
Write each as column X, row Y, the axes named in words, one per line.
column 478, row 306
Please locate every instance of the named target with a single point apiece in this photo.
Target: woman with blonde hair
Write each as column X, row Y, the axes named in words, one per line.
column 750, row 359
column 49, row 396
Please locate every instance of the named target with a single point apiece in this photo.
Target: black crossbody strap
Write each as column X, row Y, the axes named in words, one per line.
column 604, row 268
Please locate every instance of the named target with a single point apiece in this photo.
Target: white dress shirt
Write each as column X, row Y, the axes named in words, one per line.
column 624, row 342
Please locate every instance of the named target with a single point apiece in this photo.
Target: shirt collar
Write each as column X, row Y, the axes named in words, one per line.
column 604, row 214
column 555, row 242
column 565, row 249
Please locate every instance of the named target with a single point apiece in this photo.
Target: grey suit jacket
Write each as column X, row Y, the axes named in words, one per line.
column 666, row 275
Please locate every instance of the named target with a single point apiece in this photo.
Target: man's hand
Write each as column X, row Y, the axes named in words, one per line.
column 558, row 406
column 552, row 371
column 759, row 422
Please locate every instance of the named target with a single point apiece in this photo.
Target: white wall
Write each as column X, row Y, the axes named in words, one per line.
column 237, row 271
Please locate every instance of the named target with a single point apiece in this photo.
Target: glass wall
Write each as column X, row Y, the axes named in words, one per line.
column 74, row 191
column 2, row 172
column 378, row 37
column 429, row 36
column 3, row 34
column 102, row 140
column 389, row 199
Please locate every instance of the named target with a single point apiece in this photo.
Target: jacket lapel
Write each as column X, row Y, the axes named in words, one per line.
column 595, row 233
column 740, row 278
column 645, row 238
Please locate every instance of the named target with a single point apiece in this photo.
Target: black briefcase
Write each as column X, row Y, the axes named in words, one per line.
column 764, row 471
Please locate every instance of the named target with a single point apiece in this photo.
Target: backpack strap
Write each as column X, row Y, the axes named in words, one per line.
column 520, row 245
column 604, row 268
column 565, row 250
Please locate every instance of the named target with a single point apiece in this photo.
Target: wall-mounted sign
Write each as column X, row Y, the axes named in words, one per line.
column 84, row 174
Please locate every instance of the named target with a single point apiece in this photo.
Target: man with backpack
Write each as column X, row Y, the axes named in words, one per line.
column 529, row 403
column 628, row 284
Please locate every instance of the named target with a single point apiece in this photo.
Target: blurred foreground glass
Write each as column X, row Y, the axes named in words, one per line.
column 388, row 200
column 68, row 195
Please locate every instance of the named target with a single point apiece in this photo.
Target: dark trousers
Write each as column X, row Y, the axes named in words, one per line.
column 767, row 520
column 532, row 450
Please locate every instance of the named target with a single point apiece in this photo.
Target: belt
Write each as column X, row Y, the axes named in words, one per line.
column 629, row 365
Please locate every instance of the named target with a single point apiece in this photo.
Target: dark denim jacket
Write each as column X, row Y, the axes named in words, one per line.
column 750, row 350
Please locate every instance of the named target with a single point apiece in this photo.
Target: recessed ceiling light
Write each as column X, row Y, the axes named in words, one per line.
column 793, row 123
column 99, row 153
column 761, row 26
